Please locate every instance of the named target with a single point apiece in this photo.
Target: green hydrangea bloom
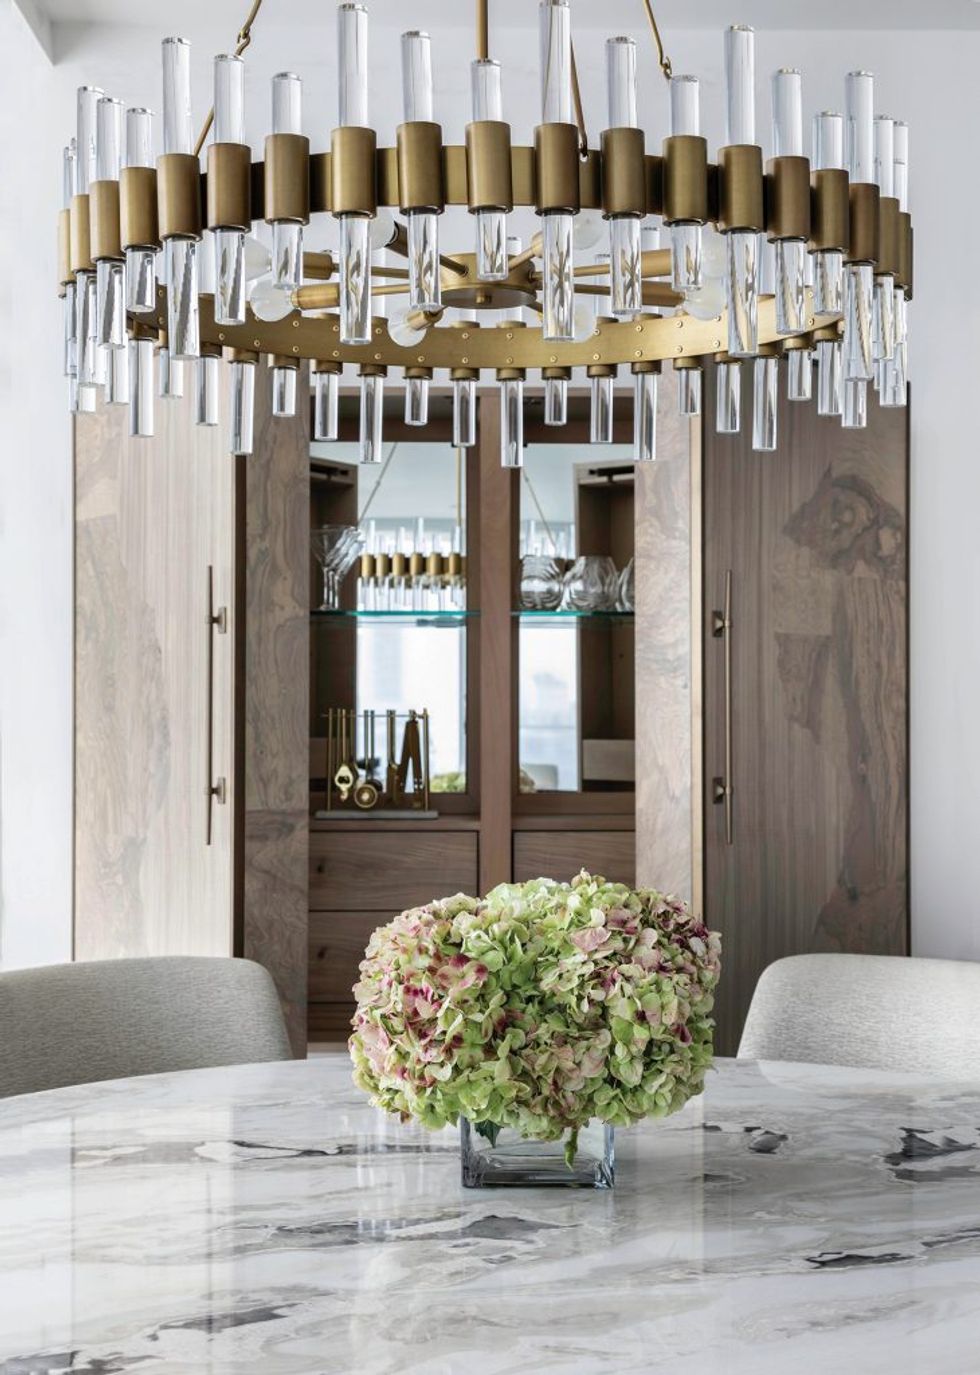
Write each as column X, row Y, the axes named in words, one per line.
column 539, row 1007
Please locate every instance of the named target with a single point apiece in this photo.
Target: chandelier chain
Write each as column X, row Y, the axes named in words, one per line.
column 662, row 57
column 241, row 43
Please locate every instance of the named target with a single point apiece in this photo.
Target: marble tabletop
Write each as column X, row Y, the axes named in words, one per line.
column 266, row 1219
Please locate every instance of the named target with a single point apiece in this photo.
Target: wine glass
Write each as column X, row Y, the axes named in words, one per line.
column 335, row 547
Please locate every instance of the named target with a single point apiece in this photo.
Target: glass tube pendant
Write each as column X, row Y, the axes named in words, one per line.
column 416, row 399
column 686, row 262
column 765, row 403
column 117, row 376
column 207, row 373
column 229, row 242
column 287, row 235
column 728, row 398
column 626, row 292
column 85, row 327
column 70, row 357
column 140, row 273
column 242, row 406
column 555, row 398
column 645, row 416
column 110, row 288
column 284, row 391
column 859, row 314
column 791, row 255
column 511, row 422
column 141, row 388
column 601, row 406
column 491, row 224
column 464, row 412
column 742, row 292
column 170, row 375
column 424, row 289
column 558, row 288
column 372, row 411
column 828, row 263
column 854, row 415
column 883, row 345
column 688, row 390
column 86, row 140
column 326, row 405
column 830, row 377
column 799, row 365
column 354, row 267
column 180, row 255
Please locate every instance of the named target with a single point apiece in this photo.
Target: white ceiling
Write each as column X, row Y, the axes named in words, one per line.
column 676, row 14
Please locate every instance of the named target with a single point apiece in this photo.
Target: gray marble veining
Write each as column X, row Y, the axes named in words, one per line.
column 266, row 1219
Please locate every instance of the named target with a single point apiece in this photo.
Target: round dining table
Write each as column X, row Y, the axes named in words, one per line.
column 798, row 1219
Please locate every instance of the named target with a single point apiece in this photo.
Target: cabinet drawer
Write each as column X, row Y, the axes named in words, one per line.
column 387, row 872
column 561, row 854
column 336, row 943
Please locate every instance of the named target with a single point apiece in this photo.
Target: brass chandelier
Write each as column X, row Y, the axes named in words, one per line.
column 807, row 258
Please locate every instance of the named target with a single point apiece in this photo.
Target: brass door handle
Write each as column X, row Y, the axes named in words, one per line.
column 722, row 789
column 216, row 789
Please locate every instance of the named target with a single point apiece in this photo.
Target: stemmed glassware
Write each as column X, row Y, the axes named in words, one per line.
column 335, row 548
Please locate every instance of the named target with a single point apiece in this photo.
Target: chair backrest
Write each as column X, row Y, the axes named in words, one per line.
column 109, row 1019
column 869, row 1012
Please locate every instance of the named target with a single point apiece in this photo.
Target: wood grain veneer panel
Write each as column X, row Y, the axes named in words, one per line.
column 560, row 855
column 386, row 873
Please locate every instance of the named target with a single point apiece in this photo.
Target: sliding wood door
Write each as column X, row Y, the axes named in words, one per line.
column 813, row 541
column 154, row 528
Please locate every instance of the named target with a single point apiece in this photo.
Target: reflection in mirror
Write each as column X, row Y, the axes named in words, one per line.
column 576, row 639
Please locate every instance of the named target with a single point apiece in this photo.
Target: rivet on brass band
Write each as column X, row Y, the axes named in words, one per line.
column 488, row 165
column 229, row 186
column 353, row 171
column 624, row 172
column 830, row 211
column 79, row 236
column 287, row 178
column 864, row 199
column 179, row 196
column 685, row 173
column 556, row 168
column 741, row 199
column 888, row 234
column 788, row 198
column 420, row 167
column 138, row 227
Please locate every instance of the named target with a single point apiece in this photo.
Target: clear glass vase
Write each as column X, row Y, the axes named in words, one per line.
column 541, row 583
column 513, row 1161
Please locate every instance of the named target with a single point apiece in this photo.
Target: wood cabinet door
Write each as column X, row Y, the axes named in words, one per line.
column 152, row 517
column 814, row 538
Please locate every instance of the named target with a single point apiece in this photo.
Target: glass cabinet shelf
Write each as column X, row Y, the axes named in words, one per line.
column 453, row 617
column 566, row 614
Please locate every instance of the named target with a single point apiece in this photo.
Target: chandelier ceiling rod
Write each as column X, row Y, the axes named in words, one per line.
column 662, row 57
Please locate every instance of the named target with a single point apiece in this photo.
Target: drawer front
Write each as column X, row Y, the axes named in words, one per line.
column 387, row 872
column 337, row 941
column 561, row 854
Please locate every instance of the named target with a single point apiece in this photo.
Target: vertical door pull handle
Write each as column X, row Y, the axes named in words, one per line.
column 216, row 789
column 722, row 789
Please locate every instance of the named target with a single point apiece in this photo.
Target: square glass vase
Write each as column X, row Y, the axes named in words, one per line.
column 517, row 1162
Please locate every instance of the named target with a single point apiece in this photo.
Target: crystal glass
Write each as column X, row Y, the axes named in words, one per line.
column 592, row 584
column 828, row 140
column 352, row 75
column 740, row 84
column 110, row 296
column 859, row 305
column 70, row 354
column 335, row 547
column 787, row 113
column 424, row 287
column 790, row 285
column 830, row 377
column 799, row 383
column 859, row 103
column 178, row 128
column 728, row 398
column 207, row 370
column 828, row 281
column 371, row 417
column 416, row 401
column 511, row 422
column 644, row 417
column 854, row 415
column 491, row 224
column 183, row 319
column 627, row 587
column 117, row 377
column 86, row 138
column 900, row 172
column 555, row 400
column 284, row 392
column 601, row 409
column 884, row 154
column 242, row 406
column 464, row 412
column 765, row 403
column 355, row 280
column 883, row 320
column 742, row 292
column 287, row 237
column 555, row 34
column 170, row 375
column 229, row 242
column 326, row 398
column 626, row 285
column 685, row 239
column 689, row 391
column 109, row 150
column 621, row 82
column 541, row 585
column 68, row 174
column 559, row 280
column 141, row 387
column 509, row 1159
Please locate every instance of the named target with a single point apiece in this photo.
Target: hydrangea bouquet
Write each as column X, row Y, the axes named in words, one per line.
column 539, row 1008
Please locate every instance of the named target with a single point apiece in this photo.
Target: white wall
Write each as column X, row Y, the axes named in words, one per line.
column 945, row 475
column 35, row 539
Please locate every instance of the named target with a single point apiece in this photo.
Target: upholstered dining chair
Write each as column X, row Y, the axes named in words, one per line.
column 868, row 1012
column 109, row 1019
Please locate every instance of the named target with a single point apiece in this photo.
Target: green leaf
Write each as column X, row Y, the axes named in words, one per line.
column 488, row 1130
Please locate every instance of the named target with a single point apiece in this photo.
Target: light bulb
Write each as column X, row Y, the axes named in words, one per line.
column 268, row 301
column 586, row 229
column 403, row 333
column 258, row 259
column 706, row 302
column 382, row 229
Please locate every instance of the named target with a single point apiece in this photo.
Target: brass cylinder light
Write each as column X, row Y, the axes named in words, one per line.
column 685, row 179
column 420, row 183
column 624, row 172
column 138, row 222
column 887, row 255
column 65, row 274
column 353, row 172
column 865, row 202
column 179, row 196
column 80, row 236
column 286, row 179
column 556, row 169
column 229, row 186
column 104, row 226
column 488, row 166
column 787, row 187
column 741, row 189
column 830, row 213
